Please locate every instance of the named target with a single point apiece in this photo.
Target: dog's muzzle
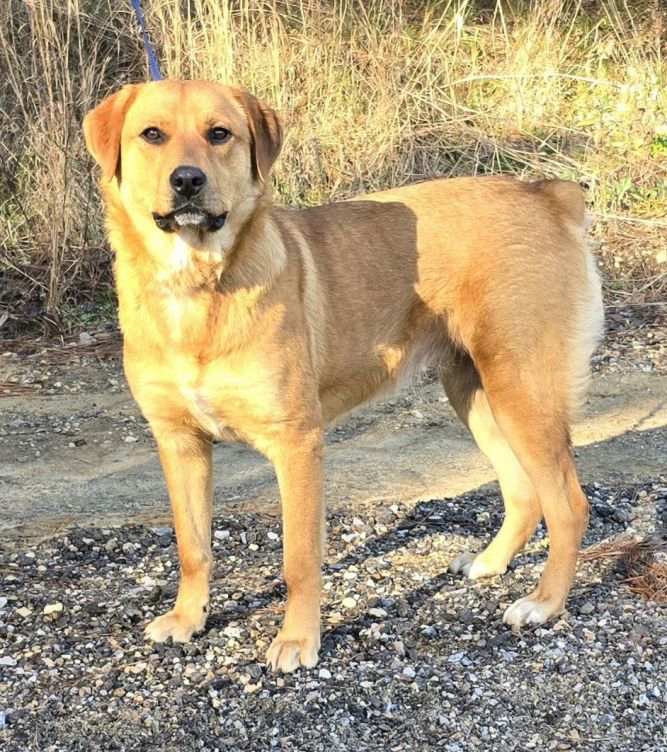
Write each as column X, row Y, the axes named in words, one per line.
column 190, row 216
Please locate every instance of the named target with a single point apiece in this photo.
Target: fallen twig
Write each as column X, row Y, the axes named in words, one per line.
column 644, row 562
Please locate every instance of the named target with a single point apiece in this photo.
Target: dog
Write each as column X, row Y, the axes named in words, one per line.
column 247, row 321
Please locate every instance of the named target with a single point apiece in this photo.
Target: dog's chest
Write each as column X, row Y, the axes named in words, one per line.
column 224, row 398
column 198, row 403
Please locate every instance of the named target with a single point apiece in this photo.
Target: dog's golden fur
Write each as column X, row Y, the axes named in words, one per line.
column 266, row 329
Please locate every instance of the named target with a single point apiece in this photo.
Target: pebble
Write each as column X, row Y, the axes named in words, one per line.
column 52, row 608
column 348, row 603
column 162, row 530
column 587, row 608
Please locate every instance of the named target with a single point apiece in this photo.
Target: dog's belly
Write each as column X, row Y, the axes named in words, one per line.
column 386, row 370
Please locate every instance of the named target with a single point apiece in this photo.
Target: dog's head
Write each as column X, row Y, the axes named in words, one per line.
column 184, row 157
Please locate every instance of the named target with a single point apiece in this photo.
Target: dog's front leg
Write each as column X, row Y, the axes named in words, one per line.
column 187, row 463
column 298, row 465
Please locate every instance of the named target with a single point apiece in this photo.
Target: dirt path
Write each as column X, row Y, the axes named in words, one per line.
column 83, row 454
column 412, row 657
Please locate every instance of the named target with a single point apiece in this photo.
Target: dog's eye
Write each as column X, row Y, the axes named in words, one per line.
column 153, row 135
column 218, row 135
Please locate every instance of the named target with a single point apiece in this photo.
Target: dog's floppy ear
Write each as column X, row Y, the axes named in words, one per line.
column 102, row 127
column 266, row 133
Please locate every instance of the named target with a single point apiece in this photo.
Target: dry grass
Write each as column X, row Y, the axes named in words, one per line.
column 643, row 563
column 374, row 94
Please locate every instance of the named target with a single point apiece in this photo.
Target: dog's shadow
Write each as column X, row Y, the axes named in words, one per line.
column 459, row 516
column 474, row 517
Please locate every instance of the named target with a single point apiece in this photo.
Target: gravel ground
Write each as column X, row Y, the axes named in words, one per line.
column 413, row 658
column 636, row 340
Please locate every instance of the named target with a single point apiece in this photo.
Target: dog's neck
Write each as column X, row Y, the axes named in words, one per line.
column 161, row 273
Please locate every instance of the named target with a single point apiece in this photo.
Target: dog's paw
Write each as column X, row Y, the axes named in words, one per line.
column 474, row 566
column 287, row 654
column 533, row 609
column 180, row 627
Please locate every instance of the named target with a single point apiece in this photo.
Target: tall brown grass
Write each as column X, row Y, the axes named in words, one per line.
column 373, row 94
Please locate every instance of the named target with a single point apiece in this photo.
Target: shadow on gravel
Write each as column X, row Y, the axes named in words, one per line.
column 425, row 657
column 456, row 516
column 474, row 516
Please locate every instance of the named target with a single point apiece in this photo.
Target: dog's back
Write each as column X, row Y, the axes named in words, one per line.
column 483, row 264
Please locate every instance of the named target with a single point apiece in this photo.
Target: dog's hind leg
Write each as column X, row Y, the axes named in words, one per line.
column 522, row 510
column 530, row 404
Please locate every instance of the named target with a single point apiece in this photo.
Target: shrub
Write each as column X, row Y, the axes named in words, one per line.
column 373, row 94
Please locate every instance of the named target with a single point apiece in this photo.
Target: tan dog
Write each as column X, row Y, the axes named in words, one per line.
column 247, row 321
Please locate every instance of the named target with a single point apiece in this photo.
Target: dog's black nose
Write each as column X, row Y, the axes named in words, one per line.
column 187, row 181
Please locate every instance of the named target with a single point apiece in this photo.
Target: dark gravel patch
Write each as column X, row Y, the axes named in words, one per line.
column 635, row 339
column 413, row 658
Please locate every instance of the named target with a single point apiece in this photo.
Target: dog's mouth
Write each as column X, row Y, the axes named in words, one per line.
column 190, row 216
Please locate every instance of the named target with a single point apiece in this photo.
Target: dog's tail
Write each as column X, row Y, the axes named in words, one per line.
column 570, row 199
column 588, row 328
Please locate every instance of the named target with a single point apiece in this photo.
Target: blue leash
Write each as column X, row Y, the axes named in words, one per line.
column 150, row 52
